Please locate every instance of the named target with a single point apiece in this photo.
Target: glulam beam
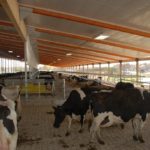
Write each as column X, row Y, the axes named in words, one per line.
column 89, row 39
column 85, row 20
column 12, row 9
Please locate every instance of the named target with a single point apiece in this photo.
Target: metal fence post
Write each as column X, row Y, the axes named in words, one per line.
column 39, row 85
column 64, row 88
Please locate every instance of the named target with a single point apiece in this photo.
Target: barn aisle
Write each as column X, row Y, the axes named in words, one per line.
column 36, row 129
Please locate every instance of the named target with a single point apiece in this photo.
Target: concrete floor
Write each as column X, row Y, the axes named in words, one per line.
column 36, row 131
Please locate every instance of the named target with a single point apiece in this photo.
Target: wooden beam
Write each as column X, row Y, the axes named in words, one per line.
column 56, row 56
column 12, row 9
column 63, row 55
column 11, row 45
column 10, row 36
column 10, row 40
column 44, row 41
column 69, row 62
column 4, row 32
column 44, row 57
column 85, row 20
column 6, row 23
column 85, row 38
column 74, row 55
column 76, row 52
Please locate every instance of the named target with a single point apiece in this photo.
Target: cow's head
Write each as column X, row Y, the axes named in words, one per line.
column 146, row 95
column 1, row 86
column 59, row 116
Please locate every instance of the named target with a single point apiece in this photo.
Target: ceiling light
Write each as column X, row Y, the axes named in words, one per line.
column 102, row 37
column 18, row 56
column 10, row 51
column 68, row 54
column 58, row 59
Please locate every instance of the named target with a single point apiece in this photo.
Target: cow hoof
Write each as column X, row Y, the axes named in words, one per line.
column 122, row 126
column 101, row 142
column 91, row 142
column 80, row 131
column 92, row 146
column 19, row 118
column 141, row 140
column 67, row 134
column 135, row 138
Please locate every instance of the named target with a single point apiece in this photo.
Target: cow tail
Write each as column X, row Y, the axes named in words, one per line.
column 4, row 143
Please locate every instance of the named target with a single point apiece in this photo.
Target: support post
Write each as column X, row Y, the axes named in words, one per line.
column 64, row 87
column 93, row 70
column 137, row 70
column 5, row 66
column 120, row 74
column 100, row 69
column 78, row 68
column 108, row 71
column 83, row 68
column 26, row 71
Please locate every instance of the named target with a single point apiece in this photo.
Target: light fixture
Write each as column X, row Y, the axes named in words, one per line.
column 68, row 54
column 18, row 56
column 10, row 51
column 58, row 59
column 102, row 37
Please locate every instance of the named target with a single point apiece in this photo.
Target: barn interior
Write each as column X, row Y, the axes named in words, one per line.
column 90, row 39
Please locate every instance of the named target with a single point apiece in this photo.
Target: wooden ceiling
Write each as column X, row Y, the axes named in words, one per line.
column 60, row 27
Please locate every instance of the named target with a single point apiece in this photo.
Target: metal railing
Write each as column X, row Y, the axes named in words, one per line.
column 36, row 86
column 112, row 79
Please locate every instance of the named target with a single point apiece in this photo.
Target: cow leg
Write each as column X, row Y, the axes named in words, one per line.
column 99, row 138
column 137, row 124
column 95, row 130
column 81, row 121
column 91, row 118
column 122, row 125
column 13, row 142
column 135, row 130
column 69, row 126
column 89, row 123
column 140, row 127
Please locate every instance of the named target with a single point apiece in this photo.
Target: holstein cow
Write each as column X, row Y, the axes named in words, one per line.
column 13, row 93
column 124, row 85
column 77, row 103
column 124, row 103
column 8, row 119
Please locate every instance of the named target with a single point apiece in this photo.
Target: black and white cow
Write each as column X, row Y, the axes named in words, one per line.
column 13, row 93
column 120, row 106
column 124, row 85
column 77, row 104
column 8, row 118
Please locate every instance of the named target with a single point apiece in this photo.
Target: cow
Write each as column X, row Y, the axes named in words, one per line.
column 77, row 103
column 117, row 107
column 8, row 118
column 13, row 93
column 97, row 82
column 124, row 85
